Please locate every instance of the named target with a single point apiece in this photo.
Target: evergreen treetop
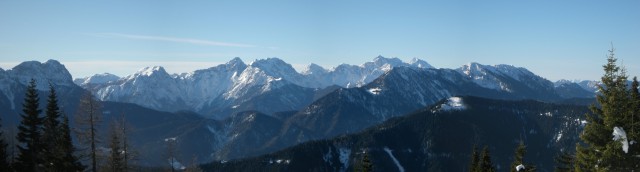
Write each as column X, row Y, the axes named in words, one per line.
column 51, row 133
column 30, row 131
column 70, row 161
column 474, row 159
column 485, row 164
column 618, row 107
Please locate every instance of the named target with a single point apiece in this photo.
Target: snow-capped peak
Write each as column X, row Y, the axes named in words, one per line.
column 562, row 82
column 268, row 62
column 492, row 77
column 49, row 71
column 235, row 62
column 275, row 67
column 148, row 71
column 472, row 68
column 97, row 79
column 314, row 69
column 415, row 62
column 512, row 71
column 381, row 61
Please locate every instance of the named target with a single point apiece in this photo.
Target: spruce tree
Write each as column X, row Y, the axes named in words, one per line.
column 473, row 167
column 30, row 131
column 634, row 116
column 69, row 161
column 485, row 164
column 4, row 156
column 518, row 159
column 598, row 151
column 365, row 164
column 519, row 156
column 51, row 133
column 564, row 162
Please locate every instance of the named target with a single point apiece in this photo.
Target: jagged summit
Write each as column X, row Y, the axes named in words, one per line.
column 562, row 82
column 101, row 78
column 274, row 66
column 474, row 69
column 381, row 61
column 52, row 65
column 314, row 69
column 49, row 71
column 148, row 71
column 236, row 61
column 415, row 62
column 507, row 78
column 268, row 61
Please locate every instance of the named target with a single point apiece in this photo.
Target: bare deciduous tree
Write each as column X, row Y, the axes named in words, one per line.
column 88, row 119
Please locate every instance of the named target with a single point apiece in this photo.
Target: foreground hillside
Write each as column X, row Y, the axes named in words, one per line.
column 438, row 138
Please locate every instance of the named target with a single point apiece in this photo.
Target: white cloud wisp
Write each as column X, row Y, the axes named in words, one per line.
column 174, row 39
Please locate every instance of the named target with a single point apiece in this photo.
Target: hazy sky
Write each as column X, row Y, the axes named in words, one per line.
column 554, row 39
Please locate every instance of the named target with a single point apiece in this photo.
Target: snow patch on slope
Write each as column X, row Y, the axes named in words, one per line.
column 175, row 164
column 453, row 104
column 344, row 157
column 400, row 168
column 375, row 91
column 559, row 136
column 327, row 157
column 549, row 114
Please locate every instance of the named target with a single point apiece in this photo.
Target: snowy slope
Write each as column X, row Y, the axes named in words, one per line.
column 406, row 89
column 349, row 76
column 569, row 89
column 228, row 85
column 218, row 91
column 509, row 78
column 150, row 86
column 96, row 79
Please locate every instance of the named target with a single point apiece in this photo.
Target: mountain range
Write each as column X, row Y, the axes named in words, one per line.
column 237, row 110
column 220, row 91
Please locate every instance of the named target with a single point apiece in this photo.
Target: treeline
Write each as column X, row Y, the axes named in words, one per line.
column 45, row 142
column 482, row 162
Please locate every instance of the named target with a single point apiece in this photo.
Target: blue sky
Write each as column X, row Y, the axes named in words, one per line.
column 554, row 39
